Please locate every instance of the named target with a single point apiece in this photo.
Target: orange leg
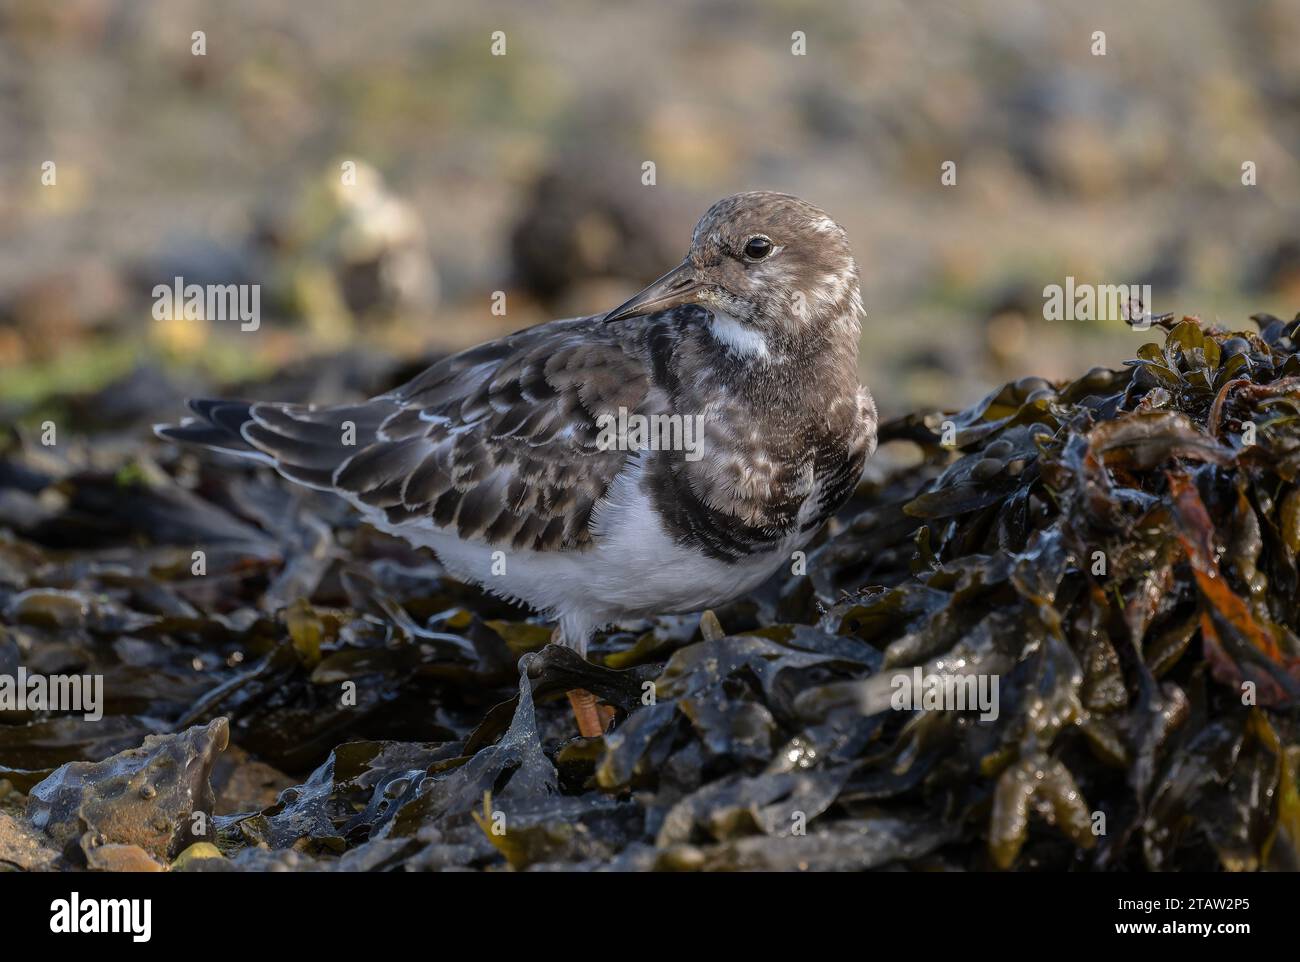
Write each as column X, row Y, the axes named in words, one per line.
column 606, row 715
column 593, row 718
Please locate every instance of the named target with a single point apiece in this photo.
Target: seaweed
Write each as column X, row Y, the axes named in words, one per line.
column 1119, row 553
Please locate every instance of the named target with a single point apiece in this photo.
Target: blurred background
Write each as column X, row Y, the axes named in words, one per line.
column 523, row 174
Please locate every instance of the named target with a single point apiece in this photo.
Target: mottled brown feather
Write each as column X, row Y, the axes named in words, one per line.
column 498, row 443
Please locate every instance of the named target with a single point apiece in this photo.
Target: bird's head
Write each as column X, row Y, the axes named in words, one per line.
column 768, row 267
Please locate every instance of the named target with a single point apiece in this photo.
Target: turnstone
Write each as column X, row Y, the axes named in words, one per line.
column 509, row 462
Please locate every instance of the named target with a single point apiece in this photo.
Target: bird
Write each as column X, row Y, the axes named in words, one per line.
column 525, row 464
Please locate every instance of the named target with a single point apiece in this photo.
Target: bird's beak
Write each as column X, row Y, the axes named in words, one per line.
column 681, row 285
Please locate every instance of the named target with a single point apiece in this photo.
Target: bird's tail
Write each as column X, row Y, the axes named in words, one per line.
column 303, row 443
column 219, row 426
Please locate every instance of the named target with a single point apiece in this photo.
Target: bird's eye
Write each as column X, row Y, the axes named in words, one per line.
column 756, row 248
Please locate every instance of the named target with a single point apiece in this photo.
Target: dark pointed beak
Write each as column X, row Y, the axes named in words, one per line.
column 681, row 285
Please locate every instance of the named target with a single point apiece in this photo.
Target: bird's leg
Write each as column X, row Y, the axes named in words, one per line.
column 587, row 711
column 593, row 717
column 606, row 713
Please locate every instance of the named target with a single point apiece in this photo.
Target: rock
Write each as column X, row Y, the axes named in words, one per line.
column 243, row 784
column 143, row 796
column 122, row 858
column 198, row 852
column 580, row 225
column 264, row 860
column 23, row 847
column 376, row 247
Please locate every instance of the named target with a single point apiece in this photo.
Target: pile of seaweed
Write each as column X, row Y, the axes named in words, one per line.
column 284, row 688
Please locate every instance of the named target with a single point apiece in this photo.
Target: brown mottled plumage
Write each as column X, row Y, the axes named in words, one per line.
column 496, row 453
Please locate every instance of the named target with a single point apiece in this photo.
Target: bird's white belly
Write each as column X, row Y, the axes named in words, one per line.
column 644, row 571
column 633, row 569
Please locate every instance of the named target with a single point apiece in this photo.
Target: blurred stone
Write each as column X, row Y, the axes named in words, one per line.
column 1278, row 271
column 588, row 221
column 376, row 247
column 1082, row 134
column 51, row 311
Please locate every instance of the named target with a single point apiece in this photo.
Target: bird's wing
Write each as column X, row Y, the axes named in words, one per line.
column 498, row 443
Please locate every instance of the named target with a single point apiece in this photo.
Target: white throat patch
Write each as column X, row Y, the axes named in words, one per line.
column 740, row 338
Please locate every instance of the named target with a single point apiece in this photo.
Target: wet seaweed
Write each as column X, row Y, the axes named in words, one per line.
column 1119, row 552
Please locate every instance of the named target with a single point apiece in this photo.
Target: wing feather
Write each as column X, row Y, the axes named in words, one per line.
column 498, row 443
